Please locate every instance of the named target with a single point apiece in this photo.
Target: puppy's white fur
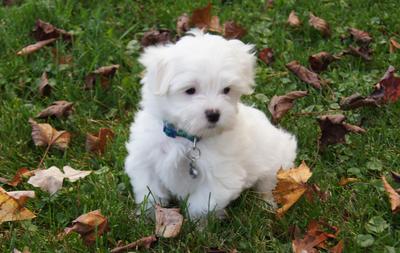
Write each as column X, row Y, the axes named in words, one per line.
column 243, row 149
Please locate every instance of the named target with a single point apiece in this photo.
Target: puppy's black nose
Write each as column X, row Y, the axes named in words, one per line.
column 212, row 115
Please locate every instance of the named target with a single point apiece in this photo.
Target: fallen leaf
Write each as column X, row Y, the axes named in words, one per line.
column 314, row 189
column 291, row 185
column 49, row 180
column 61, row 59
column 395, row 176
column 19, row 175
column 363, row 52
column 345, row 181
column 305, row 75
column 168, row 222
column 267, row 56
column 388, row 88
column 73, row 174
column 104, row 73
column 361, row 37
column 233, row 30
column 356, row 100
column 320, row 61
column 97, row 143
column 46, row 135
column 293, row 19
column 45, row 31
column 155, row 37
column 201, row 17
column 338, row 248
column 11, row 209
column 319, row 24
column 44, row 85
column 280, row 105
column 393, row 45
column 214, row 25
column 22, row 196
column 145, row 242
column 394, row 197
column 89, row 226
column 334, row 129
column 58, row 109
column 35, row 47
column 25, row 250
column 183, row 24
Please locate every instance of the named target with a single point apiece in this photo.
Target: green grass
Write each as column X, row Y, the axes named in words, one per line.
column 103, row 30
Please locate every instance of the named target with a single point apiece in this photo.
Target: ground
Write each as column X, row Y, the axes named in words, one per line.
column 103, row 29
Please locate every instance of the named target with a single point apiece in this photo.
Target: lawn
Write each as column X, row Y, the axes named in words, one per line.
column 109, row 32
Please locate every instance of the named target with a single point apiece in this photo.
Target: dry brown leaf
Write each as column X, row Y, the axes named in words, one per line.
column 46, row 135
column 305, row 74
column 89, row 226
column 267, row 56
column 73, row 174
column 334, row 129
column 345, row 181
column 155, row 37
column 11, row 209
column 361, row 37
column 320, row 61
column 45, row 31
column 145, row 242
column 214, row 25
column 291, row 185
column 19, row 175
column 356, row 100
column 168, row 222
column 319, row 24
column 182, row 24
column 393, row 45
column 104, row 73
column 338, row 248
column 25, row 250
column 394, row 197
column 388, row 88
column 35, row 47
column 97, row 143
column 44, row 85
column 293, row 19
column 233, row 30
column 363, row 52
column 58, row 109
column 280, row 105
column 201, row 17
column 49, row 180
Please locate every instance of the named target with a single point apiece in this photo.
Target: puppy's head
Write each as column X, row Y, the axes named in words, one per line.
column 196, row 83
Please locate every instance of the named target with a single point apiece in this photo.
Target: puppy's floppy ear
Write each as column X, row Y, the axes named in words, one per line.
column 245, row 57
column 155, row 60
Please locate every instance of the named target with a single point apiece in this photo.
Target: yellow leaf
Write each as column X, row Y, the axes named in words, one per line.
column 292, row 184
column 11, row 209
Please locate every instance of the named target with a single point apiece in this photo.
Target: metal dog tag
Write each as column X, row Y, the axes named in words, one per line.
column 193, row 155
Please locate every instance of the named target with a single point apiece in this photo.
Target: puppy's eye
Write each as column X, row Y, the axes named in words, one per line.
column 226, row 90
column 190, row 91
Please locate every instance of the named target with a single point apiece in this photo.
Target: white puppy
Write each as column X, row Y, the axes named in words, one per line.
column 192, row 137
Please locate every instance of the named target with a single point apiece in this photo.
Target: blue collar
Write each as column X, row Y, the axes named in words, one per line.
column 171, row 131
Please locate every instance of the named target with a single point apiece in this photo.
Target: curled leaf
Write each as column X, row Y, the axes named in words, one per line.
column 291, row 185
column 97, row 143
column 320, row 61
column 363, row 52
column 58, row 109
column 89, row 226
column 293, row 19
column 361, row 37
column 154, row 37
column 45, row 31
column 44, row 85
column 19, row 175
column 233, row 30
column 334, row 129
column 280, row 105
column 267, row 56
column 388, row 88
column 305, row 75
column 356, row 101
column 201, row 17
column 345, row 181
column 35, row 47
column 145, row 242
column 393, row 45
column 46, row 135
column 105, row 74
column 319, row 24
column 394, row 197
column 168, row 222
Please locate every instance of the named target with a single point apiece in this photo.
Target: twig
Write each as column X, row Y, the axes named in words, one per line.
column 145, row 242
column 44, row 156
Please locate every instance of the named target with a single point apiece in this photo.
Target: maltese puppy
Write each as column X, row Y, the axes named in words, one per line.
column 193, row 139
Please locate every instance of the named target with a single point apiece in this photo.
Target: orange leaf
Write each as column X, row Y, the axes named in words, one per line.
column 393, row 45
column 35, row 47
column 11, row 209
column 201, row 17
column 393, row 196
column 291, row 185
column 21, row 173
column 345, row 181
column 97, row 143
column 293, row 19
